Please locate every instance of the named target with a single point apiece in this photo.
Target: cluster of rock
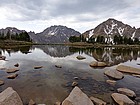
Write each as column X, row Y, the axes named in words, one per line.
column 122, row 97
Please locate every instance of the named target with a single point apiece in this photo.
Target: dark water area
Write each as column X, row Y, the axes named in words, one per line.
column 49, row 84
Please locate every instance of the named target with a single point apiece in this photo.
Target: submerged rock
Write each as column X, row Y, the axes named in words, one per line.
column 97, row 101
column 122, row 99
column 74, row 84
column 57, row 103
column 31, row 102
column 111, row 82
column 77, row 97
column 1, row 82
column 10, row 97
column 79, row 57
column 97, row 64
column 12, row 70
column 127, row 92
column 128, row 69
column 136, row 75
column 114, row 74
column 12, row 76
column 38, row 67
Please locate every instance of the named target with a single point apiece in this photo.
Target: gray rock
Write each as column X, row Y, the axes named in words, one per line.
column 77, row 97
column 127, row 92
column 10, row 97
column 16, row 65
column 122, row 99
column 97, row 101
column 114, row 74
column 128, row 69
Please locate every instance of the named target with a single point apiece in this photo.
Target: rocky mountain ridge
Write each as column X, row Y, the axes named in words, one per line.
column 112, row 27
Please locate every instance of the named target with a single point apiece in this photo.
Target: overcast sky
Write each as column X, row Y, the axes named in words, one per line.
column 82, row 15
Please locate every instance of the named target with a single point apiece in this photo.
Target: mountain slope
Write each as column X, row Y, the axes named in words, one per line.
column 11, row 30
column 112, row 27
column 54, row 34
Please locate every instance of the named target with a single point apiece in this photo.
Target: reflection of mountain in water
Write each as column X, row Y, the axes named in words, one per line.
column 112, row 55
column 55, row 50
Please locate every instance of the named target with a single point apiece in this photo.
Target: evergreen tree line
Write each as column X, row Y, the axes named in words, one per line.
column 19, row 37
column 101, row 39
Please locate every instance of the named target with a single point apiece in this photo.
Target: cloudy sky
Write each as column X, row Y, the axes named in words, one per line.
column 82, row 15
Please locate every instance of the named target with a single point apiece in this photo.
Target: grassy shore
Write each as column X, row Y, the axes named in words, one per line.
column 13, row 43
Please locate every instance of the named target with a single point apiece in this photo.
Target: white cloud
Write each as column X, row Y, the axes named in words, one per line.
column 36, row 15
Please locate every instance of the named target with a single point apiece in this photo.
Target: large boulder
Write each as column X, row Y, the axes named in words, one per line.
column 77, row 97
column 10, row 97
column 122, row 99
column 97, row 101
column 79, row 57
column 127, row 92
column 97, row 64
column 114, row 74
column 128, row 69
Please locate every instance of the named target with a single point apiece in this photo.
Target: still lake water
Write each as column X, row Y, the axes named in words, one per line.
column 50, row 84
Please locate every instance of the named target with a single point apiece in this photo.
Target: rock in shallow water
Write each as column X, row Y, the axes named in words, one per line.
column 38, row 67
column 122, row 99
column 97, row 64
column 114, row 74
column 79, row 57
column 128, row 69
column 12, row 76
column 97, row 101
column 12, row 70
column 10, row 97
column 77, row 97
column 111, row 82
column 127, row 92
column 1, row 82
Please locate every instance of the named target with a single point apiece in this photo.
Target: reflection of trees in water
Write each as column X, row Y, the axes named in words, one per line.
column 110, row 55
column 23, row 49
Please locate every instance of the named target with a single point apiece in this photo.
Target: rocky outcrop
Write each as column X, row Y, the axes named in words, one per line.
column 97, row 101
column 114, row 74
column 127, row 92
column 128, row 69
column 122, row 99
column 97, row 64
column 12, row 70
column 79, row 57
column 77, row 97
column 10, row 97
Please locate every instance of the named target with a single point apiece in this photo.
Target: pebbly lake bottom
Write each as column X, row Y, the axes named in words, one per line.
column 50, row 84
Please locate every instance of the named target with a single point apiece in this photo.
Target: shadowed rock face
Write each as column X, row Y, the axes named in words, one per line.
column 112, row 27
column 54, row 34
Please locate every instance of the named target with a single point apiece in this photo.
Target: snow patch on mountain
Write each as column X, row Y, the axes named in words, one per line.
column 133, row 35
column 120, row 30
